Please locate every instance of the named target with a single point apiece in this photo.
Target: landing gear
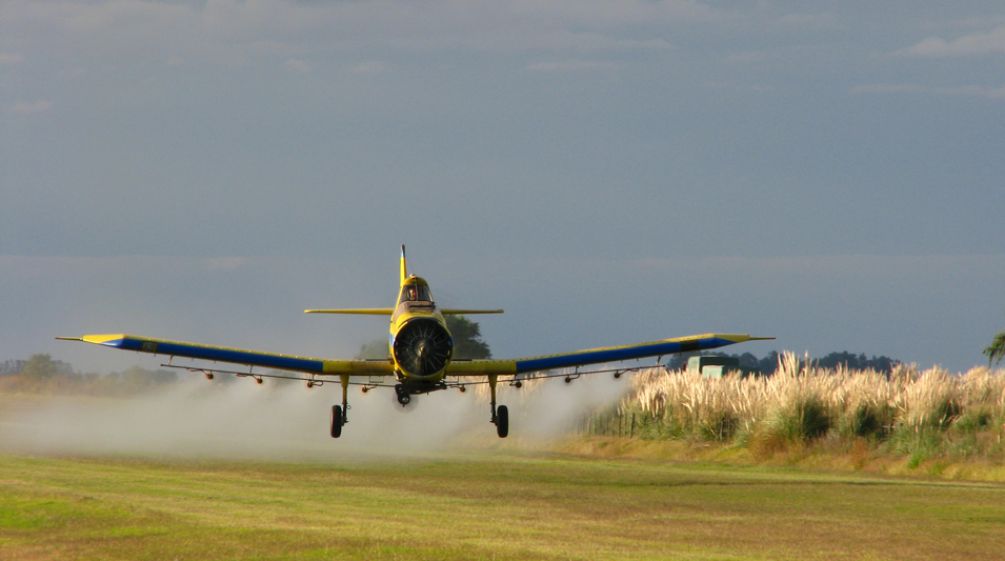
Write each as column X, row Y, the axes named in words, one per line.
column 502, row 421
column 404, row 397
column 500, row 415
column 338, row 419
column 340, row 413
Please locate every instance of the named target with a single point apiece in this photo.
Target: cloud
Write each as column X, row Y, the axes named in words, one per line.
column 225, row 263
column 31, row 107
column 592, row 41
column 981, row 22
column 973, row 44
column 745, row 57
column 11, row 58
column 229, row 29
column 297, row 65
column 755, row 88
column 971, row 90
column 570, row 65
column 369, row 67
column 808, row 20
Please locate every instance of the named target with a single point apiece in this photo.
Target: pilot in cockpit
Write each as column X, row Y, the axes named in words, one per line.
column 415, row 293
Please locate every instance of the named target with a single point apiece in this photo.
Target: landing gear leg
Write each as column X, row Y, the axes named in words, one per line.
column 500, row 415
column 492, row 391
column 340, row 413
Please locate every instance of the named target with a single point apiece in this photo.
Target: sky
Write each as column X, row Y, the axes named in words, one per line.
column 829, row 173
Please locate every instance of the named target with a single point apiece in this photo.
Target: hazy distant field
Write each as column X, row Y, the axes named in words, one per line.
column 489, row 507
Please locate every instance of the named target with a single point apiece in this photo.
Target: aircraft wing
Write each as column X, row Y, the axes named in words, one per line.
column 352, row 311
column 598, row 355
column 308, row 364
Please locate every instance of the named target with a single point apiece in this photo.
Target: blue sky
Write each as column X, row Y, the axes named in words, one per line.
column 829, row 173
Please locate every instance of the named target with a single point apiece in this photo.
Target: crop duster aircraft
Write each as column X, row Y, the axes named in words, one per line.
column 420, row 356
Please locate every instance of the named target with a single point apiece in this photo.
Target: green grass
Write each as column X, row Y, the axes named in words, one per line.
column 486, row 507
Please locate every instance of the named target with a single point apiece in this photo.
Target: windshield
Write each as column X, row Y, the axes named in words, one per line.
column 415, row 292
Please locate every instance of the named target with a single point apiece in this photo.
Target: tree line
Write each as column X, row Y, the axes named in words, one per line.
column 41, row 374
column 769, row 362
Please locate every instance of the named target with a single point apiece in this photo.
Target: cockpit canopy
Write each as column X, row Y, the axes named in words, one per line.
column 415, row 289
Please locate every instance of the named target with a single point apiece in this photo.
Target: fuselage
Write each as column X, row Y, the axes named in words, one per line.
column 420, row 344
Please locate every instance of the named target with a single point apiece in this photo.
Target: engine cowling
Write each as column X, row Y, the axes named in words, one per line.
column 423, row 347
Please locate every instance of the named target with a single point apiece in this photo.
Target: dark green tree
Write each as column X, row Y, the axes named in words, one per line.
column 996, row 350
column 40, row 367
column 467, row 335
column 373, row 350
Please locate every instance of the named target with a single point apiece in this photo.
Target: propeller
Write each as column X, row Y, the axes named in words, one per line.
column 423, row 347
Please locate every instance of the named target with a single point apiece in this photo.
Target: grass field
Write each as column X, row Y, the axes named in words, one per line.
column 494, row 506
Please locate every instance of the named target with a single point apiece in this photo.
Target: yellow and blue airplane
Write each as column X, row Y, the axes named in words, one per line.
column 420, row 355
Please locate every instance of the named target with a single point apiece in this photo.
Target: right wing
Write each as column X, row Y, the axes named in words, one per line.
column 598, row 355
column 312, row 365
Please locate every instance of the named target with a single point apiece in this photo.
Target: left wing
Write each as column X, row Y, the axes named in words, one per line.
column 352, row 311
column 389, row 311
column 312, row 365
column 598, row 355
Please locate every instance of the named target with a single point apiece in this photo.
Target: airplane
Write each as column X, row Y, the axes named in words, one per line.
column 420, row 360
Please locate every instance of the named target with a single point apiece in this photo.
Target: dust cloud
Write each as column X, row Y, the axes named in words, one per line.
column 194, row 418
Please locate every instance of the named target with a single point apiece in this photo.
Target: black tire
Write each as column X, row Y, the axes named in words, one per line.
column 401, row 392
column 336, row 421
column 502, row 421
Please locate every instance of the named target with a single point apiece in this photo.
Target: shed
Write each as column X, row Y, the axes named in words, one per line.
column 713, row 366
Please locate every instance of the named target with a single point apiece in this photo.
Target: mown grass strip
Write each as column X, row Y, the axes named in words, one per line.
column 497, row 507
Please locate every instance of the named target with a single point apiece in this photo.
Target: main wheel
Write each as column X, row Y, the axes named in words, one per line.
column 337, row 421
column 502, row 421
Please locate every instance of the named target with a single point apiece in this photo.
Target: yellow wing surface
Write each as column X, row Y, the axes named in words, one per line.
column 296, row 363
column 352, row 311
column 598, row 355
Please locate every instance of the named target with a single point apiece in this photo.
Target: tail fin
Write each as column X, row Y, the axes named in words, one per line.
column 404, row 265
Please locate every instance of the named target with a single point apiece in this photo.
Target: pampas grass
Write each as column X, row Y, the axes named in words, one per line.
column 907, row 410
